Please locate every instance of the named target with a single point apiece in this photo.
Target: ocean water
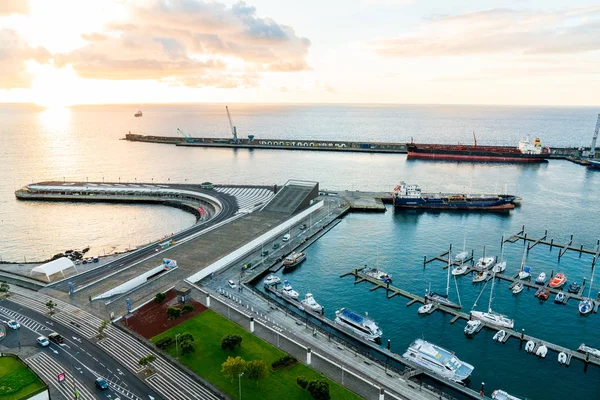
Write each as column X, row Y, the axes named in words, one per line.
column 83, row 144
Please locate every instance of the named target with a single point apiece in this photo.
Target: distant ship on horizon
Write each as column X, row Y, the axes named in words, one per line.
column 138, row 113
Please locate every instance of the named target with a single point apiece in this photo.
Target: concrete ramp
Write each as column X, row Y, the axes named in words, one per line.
column 294, row 196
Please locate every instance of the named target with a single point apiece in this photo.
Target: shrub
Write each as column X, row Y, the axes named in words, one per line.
column 188, row 308
column 174, row 312
column 284, row 361
column 4, row 287
column 187, row 347
column 186, row 337
column 164, row 342
column 230, row 342
column 144, row 361
column 302, row 382
column 160, row 297
column 319, row 390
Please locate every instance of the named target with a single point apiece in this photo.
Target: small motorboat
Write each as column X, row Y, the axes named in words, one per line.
column 541, row 351
column 560, row 298
column 529, row 346
column 310, row 302
column 462, row 256
column 485, row 262
column 525, row 273
column 272, row 280
column 558, row 280
column 518, row 288
column 288, row 291
column 472, row 327
column 480, row 276
column 585, row 306
column 500, row 267
column 425, row 308
column 502, row 395
column 379, row 275
column 541, row 279
column 574, row 287
column 543, row 294
column 562, row 357
column 460, row 270
column 500, row 335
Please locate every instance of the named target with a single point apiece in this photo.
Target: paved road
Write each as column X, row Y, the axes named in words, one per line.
column 80, row 360
column 230, row 207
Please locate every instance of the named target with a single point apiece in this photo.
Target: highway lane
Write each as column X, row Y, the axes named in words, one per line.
column 77, row 358
column 229, row 209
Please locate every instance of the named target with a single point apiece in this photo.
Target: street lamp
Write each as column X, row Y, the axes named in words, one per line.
column 75, row 392
column 240, row 384
column 176, row 344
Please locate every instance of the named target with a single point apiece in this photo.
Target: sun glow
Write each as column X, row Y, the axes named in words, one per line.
column 53, row 87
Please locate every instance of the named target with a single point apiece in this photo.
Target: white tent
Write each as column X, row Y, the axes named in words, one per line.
column 52, row 267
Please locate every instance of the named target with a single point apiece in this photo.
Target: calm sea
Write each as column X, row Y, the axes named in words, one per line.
column 83, row 143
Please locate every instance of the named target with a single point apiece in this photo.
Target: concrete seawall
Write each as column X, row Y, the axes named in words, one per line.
column 308, row 145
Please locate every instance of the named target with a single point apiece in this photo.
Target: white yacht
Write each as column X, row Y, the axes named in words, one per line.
column 518, row 288
column 541, row 279
column 425, row 308
column 472, row 327
column 461, row 257
column 438, row 360
column 500, row 267
column 361, row 325
column 460, row 270
column 309, row 302
column 525, row 273
column 480, row 276
column 502, row 395
column 491, row 317
column 288, row 291
column 272, row 280
column 485, row 262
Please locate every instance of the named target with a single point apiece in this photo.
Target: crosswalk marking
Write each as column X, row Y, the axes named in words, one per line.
column 247, row 198
column 49, row 370
column 24, row 321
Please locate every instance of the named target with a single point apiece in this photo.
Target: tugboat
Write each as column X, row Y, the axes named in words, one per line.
column 360, row 325
column 293, row 260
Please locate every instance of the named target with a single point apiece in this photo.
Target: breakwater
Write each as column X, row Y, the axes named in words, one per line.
column 309, row 145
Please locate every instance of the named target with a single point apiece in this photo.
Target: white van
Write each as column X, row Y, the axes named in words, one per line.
column 286, row 237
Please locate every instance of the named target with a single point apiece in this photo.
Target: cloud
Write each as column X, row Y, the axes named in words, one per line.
column 8, row 7
column 194, row 43
column 14, row 54
column 499, row 31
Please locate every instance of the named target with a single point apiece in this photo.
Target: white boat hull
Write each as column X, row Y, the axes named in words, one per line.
column 493, row 319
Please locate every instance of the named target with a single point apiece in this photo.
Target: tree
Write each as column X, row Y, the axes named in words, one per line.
column 319, row 390
column 188, row 308
column 4, row 287
column 160, row 297
column 174, row 312
column 146, row 360
column 187, row 347
column 230, row 342
column 51, row 305
column 256, row 370
column 101, row 328
column 233, row 367
column 301, row 380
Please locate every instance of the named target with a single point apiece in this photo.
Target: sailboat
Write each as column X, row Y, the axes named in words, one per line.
column 501, row 266
column 525, row 271
column 442, row 299
column 490, row 316
column 462, row 256
column 586, row 305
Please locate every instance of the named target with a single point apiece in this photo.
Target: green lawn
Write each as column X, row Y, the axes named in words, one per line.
column 16, row 380
column 209, row 327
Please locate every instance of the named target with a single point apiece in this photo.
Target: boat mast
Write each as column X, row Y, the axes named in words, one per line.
column 448, row 279
column 591, row 282
column 491, row 293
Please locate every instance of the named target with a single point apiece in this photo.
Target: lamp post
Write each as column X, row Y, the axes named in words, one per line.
column 177, row 345
column 240, row 384
column 75, row 392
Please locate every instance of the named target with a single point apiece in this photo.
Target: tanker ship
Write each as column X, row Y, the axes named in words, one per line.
column 526, row 152
column 410, row 196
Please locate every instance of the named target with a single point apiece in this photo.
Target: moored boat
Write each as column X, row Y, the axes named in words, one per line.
column 500, row 335
column 472, row 327
column 425, row 308
column 461, row 257
column 460, row 270
column 358, row 324
column 492, row 317
column 525, row 273
column 559, row 298
column 585, row 306
column 311, row 303
column 272, row 280
column 562, row 357
column 438, row 360
column 574, row 287
column 379, row 275
column 499, row 267
column 480, row 276
column 541, row 351
column 485, row 262
column 594, row 164
column 543, row 294
column 541, row 279
column 293, row 260
column 441, row 299
column 288, row 291
column 587, row 349
column 559, row 280
column 502, row 395
column 518, row 288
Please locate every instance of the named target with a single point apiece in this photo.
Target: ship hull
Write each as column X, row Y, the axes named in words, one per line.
column 594, row 165
column 502, row 203
column 455, row 154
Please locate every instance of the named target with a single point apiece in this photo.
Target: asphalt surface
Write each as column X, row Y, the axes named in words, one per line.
column 230, row 207
column 77, row 358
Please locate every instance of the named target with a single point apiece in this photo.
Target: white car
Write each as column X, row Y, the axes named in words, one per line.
column 42, row 341
column 231, row 284
column 286, row 237
column 12, row 324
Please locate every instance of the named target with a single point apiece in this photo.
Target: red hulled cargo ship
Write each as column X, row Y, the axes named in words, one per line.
column 526, row 152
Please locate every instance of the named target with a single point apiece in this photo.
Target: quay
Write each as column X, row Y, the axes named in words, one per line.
column 457, row 314
column 304, row 144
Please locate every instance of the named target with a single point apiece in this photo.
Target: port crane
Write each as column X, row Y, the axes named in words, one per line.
column 593, row 148
column 233, row 128
column 187, row 137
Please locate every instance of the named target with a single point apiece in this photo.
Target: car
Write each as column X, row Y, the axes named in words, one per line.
column 286, row 237
column 42, row 341
column 12, row 324
column 101, row 383
column 276, row 246
column 96, row 259
column 231, row 284
column 265, row 253
column 56, row 338
column 303, row 226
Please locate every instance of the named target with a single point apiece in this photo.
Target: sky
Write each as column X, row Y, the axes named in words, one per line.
column 520, row 52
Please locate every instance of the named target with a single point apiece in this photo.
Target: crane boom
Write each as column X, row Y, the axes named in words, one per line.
column 185, row 135
column 233, row 130
column 593, row 148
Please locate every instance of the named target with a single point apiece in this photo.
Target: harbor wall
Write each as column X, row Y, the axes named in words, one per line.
column 310, row 145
